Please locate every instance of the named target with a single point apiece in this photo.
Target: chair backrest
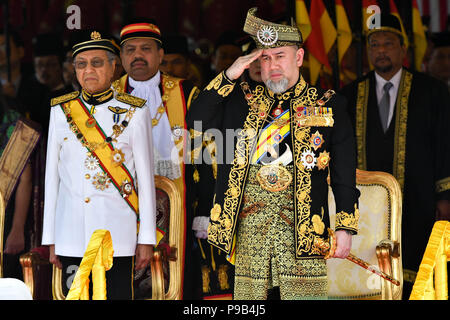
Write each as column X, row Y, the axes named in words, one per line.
column 2, row 230
column 380, row 206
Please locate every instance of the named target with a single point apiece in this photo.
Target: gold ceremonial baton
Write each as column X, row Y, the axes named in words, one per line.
column 329, row 247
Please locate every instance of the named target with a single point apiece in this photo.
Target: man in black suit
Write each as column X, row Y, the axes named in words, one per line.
column 401, row 125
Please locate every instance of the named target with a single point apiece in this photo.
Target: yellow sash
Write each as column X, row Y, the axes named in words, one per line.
column 271, row 135
column 95, row 135
column 98, row 258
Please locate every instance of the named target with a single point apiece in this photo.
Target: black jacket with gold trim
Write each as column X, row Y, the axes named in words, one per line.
column 223, row 105
column 414, row 149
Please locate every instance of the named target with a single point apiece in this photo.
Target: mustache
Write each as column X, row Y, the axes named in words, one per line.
column 139, row 60
column 383, row 58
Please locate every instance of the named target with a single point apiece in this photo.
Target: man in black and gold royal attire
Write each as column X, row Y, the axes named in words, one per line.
column 401, row 127
column 270, row 205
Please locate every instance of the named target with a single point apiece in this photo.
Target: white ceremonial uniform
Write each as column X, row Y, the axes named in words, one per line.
column 75, row 208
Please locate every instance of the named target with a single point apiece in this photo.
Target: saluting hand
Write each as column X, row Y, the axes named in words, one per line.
column 238, row 67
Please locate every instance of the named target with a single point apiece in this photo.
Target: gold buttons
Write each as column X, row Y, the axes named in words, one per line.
column 65, row 138
column 87, row 200
column 87, row 176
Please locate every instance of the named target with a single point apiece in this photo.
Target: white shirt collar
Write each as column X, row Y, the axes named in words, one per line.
column 395, row 80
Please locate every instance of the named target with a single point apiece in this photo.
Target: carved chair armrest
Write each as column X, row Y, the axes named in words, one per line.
column 160, row 254
column 386, row 250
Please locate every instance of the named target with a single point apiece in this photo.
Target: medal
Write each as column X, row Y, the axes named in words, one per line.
column 117, row 157
column 126, row 188
column 101, row 181
column 177, row 132
column 278, row 110
column 308, row 159
column 91, row 162
column 90, row 123
column 316, row 140
column 323, row 160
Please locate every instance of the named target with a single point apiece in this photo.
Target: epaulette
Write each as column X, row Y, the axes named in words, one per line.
column 129, row 99
column 64, row 98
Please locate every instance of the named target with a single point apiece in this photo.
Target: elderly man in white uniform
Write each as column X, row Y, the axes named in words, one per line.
column 99, row 147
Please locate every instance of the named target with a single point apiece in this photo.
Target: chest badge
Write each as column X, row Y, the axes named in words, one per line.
column 308, row 159
column 316, row 140
column 101, row 181
column 91, row 162
column 117, row 157
column 323, row 160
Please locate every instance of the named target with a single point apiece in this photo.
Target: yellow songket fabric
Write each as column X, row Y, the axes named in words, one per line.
column 98, row 258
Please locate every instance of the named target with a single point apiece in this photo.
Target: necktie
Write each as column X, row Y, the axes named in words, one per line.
column 383, row 107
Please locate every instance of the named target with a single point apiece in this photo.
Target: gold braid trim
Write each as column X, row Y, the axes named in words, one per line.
column 443, row 185
column 361, row 122
column 304, row 227
column 348, row 221
column 129, row 99
column 221, row 229
column 221, row 84
column 64, row 98
column 400, row 128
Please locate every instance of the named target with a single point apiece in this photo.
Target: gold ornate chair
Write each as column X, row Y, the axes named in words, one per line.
column 163, row 279
column 378, row 241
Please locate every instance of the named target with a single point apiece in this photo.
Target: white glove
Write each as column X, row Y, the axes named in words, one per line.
column 200, row 226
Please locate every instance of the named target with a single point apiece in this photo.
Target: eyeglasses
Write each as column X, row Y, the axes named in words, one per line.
column 95, row 63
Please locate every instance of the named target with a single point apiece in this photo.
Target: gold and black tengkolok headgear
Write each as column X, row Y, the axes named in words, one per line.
column 94, row 43
column 271, row 35
column 388, row 23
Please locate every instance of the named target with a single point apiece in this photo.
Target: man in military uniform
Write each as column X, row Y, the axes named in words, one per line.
column 270, row 207
column 401, row 126
column 169, row 99
column 99, row 144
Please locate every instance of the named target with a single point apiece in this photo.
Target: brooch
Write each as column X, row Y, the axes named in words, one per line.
column 308, row 159
column 91, row 162
column 101, row 181
column 316, row 140
column 323, row 160
column 117, row 157
column 274, row 178
column 126, row 188
column 177, row 132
